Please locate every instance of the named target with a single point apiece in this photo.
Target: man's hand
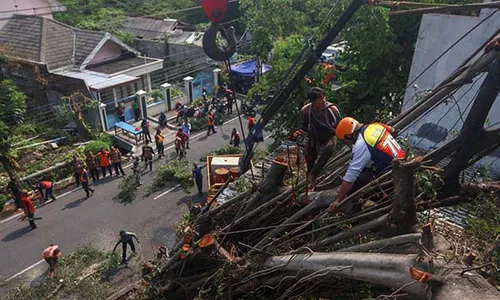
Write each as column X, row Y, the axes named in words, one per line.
column 51, row 274
column 333, row 207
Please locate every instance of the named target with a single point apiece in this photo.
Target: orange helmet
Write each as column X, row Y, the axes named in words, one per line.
column 346, row 126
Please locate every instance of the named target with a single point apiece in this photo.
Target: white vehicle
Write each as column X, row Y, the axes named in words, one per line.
column 333, row 52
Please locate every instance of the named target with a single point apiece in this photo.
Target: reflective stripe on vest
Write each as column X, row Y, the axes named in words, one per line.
column 382, row 145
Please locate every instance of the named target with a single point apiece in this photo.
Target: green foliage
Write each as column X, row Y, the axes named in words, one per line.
column 70, row 268
column 224, row 150
column 156, row 94
column 12, row 111
column 176, row 92
column 128, row 189
column 375, row 64
column 95, row 146
column 3, row 200
column 177, row 172
column 484, row 225
column 12, row 103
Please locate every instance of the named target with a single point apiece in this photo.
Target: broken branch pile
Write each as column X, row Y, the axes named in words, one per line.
column 266, row 242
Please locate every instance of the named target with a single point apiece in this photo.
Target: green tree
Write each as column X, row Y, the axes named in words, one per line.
column 12, row 112
column 372, row 75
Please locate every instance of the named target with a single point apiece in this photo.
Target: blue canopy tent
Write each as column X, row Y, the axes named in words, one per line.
column 248, row 68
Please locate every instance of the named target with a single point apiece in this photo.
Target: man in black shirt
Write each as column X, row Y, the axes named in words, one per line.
column 126, row 238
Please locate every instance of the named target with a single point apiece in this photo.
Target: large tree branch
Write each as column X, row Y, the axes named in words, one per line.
column 473, row 135
column 438, row 94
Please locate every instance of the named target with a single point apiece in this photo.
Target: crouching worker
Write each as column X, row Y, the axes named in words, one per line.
column 319, row 120
column 372, row 143
column 51, row 255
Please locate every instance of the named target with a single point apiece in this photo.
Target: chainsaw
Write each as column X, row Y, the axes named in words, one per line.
column 299, row 137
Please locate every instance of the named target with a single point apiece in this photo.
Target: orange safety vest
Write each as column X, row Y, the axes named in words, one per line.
column 82, row 177
column 104, row 159
column 45, row 184
column 49, row 252
column 251, row 122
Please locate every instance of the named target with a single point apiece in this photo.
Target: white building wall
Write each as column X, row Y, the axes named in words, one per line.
column 436, row 34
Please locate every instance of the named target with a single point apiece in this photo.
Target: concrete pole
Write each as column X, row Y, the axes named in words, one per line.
column 167, row 96
column 148, row 79
column 143, row 104
column 216, row 78
column 188, row 86
column 101, row 110
column 115, row 97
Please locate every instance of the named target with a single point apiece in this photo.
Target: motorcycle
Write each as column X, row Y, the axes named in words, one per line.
column 248, row 109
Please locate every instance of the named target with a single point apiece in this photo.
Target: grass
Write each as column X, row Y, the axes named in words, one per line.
column 173, row 172
column 68, row 282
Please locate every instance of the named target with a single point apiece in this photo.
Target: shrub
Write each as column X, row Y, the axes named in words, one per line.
column 3, row 200
column 176, row 172
column 128, row 189
column 225, row 150
column 95, row 146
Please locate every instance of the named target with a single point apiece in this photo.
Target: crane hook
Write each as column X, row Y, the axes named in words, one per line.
column 210, row 42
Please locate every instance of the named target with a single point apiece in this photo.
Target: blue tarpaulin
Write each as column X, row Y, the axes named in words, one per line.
column 248, row 68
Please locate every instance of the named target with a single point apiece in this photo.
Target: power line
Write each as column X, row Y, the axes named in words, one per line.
column 451, row 47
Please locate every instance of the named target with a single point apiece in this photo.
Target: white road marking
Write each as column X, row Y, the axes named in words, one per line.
column 45, row 203
column 164, row 193
column 125, row 167
column 25, row 270
column 10, row 218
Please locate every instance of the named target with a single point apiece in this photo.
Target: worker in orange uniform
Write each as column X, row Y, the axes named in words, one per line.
column 28, row 208
column 251, row 122
column 104, row 162
column 370, row 143
column 210, row 122
column 51, row 255
column 47, row 185
column 84, row 179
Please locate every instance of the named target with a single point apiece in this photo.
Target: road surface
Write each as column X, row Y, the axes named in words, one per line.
column 72, row 221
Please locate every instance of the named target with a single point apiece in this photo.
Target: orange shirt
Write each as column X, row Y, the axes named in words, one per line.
column 104, row 159
column 27, row 205
column 251, row 122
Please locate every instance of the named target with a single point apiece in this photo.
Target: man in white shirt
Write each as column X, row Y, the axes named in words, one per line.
column 370, row 143
column 186, row 128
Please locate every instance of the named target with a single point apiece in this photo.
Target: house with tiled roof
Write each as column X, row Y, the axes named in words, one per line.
column 49, row 60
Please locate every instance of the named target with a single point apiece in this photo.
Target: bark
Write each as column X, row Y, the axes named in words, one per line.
column 83, row 134
column 274, row 177
column 8, row 167
column 318, row 202
column 473, row 136
column 403, row 214
column 363, row 228
column 389, row 270
column 383, row 245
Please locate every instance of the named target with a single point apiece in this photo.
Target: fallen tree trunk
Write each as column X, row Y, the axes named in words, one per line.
column 391, row 270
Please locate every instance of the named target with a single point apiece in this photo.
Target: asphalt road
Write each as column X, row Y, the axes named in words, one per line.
column 72, row 221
